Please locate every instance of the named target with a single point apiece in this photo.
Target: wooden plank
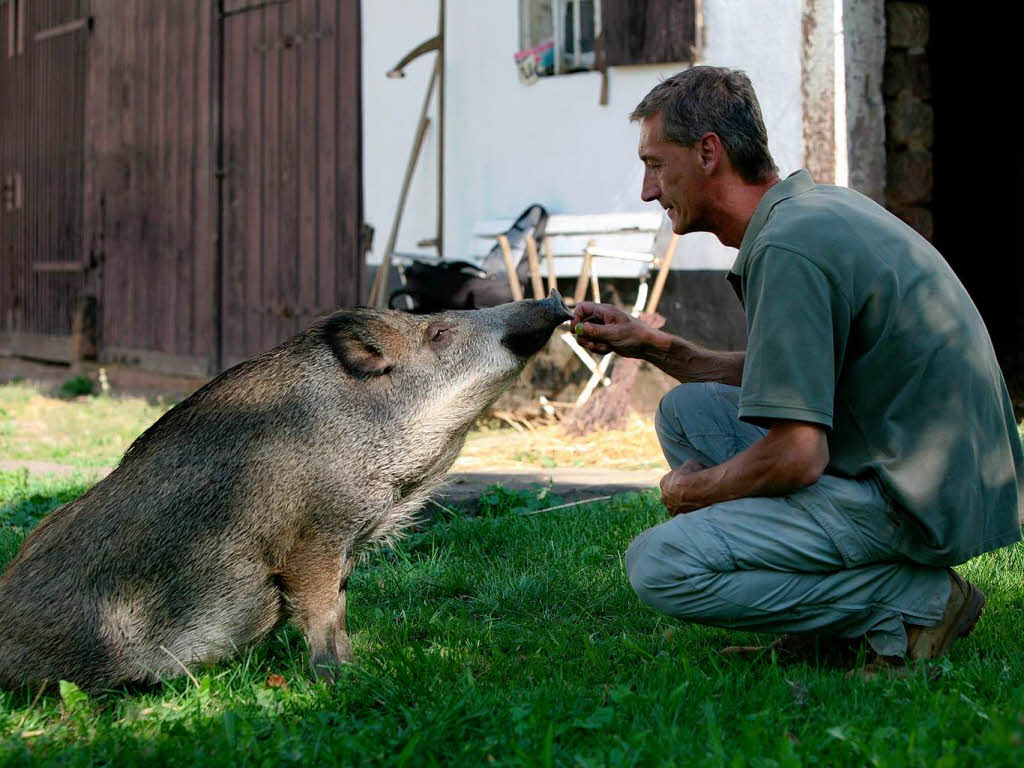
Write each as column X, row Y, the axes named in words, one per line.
column 235, row 7
column 187, row 25
column 573, row 245
column 328, row 100
column 62, row 29
column 58, row 266
column 40, row 346
column 308, row 135
column 237, row 162
column 131, row 138
column 288, row 255
column 510, row 269
column 163, row 309
column 580, row 224
column 175, row 73
column 549, row 257
column 204, row 300
column 154, row 360
column 252, row 78
column 272, row 198
column 534, row 262
column 570, row 266
column 584, row 274
column 347, row 44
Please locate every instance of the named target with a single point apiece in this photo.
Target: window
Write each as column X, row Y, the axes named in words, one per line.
column 561, row 36
column 557, row 36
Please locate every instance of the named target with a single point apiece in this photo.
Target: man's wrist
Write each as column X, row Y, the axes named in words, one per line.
column 658, row 346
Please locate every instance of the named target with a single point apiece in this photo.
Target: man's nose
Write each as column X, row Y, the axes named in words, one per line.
column 649, row 189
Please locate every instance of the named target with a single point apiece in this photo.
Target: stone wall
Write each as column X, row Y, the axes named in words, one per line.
column 864, row 46
column 909, row 119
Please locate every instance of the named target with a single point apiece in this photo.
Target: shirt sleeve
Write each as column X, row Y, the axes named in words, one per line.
column 797, row 326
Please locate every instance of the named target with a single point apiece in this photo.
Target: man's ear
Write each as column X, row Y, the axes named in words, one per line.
column 709, row 152
column 351, row 338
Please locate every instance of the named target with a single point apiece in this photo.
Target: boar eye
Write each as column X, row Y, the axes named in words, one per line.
column 439, row 336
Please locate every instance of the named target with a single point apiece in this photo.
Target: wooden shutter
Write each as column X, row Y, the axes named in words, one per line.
column 649, row 31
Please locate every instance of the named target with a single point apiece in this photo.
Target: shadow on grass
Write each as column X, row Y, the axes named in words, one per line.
column 514, row 639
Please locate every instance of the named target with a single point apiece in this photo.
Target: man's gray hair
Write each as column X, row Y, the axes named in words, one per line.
column 704, row 99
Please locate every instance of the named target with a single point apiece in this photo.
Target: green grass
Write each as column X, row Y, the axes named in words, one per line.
column 84, row 432
column 514, row 639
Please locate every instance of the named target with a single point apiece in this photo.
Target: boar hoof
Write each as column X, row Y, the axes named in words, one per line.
column 327, row 664
column 327, row 668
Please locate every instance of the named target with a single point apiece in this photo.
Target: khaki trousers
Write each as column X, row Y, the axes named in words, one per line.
column 822, row 560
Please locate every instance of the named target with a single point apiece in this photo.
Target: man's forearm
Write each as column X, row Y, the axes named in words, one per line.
column 686, row 361
column 791, row 456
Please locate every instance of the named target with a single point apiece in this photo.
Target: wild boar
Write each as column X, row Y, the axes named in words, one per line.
column 248, row 503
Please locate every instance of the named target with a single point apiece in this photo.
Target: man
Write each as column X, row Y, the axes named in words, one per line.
column 824, row 481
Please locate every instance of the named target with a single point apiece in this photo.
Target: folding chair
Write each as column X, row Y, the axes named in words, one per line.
column 659, row 258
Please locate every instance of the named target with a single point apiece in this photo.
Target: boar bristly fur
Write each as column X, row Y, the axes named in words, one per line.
column 249, row 503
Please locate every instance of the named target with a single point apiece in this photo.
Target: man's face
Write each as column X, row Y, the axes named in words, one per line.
column 673, row 176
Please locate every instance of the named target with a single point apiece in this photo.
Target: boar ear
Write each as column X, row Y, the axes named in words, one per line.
column 352, row 340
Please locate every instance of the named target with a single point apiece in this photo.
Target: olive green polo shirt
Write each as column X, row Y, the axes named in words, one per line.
column 855, row 322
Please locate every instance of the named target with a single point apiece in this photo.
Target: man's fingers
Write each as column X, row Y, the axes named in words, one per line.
column 589, row 330
column 601, row 313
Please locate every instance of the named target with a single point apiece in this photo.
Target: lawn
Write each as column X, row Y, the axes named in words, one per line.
column 514, row 639
column 87, row 432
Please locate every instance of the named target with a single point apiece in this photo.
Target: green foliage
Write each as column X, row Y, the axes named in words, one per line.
column 24, row 501
column 77, row 386
column 497, row 500
column 513, row 639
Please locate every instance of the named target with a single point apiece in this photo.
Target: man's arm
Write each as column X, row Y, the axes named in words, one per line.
column 685, row 361
column 792, row 455
column 603, row 328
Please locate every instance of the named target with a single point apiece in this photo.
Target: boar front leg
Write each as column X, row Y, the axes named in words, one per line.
column 314, row 579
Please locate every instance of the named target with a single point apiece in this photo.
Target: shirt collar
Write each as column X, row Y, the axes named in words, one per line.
column 795, row 184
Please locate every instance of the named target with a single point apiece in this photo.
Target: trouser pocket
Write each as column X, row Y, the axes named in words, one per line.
column 858, row 517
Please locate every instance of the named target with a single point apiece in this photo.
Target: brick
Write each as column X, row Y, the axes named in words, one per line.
column 908, row 178
column 909, row 121
column 907, row 25
column 908, row 73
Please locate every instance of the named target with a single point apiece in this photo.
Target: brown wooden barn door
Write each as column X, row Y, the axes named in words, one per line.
column 291, row 201
column 42, row 90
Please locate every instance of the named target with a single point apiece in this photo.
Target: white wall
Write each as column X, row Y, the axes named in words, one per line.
column 508, row 144
column 391, row 109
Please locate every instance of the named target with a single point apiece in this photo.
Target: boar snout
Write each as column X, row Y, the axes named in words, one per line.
column 530, row 328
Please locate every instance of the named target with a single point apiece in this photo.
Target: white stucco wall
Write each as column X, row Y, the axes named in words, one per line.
column 508, row 144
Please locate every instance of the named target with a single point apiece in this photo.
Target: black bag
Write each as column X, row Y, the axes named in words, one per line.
column 461, row 285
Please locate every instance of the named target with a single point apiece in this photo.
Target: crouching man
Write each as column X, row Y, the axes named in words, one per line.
column 824, row 480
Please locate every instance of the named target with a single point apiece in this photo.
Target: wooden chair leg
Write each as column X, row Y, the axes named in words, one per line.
column 513, row 278
column 552, row 280
column 584, row 278
column 531, row 256
column 663, row 270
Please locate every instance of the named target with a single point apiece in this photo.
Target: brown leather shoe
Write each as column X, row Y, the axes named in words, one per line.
column 963, row 610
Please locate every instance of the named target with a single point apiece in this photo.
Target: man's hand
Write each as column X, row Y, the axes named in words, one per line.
column 604, row 328
column 672, row 497
column 793, row 455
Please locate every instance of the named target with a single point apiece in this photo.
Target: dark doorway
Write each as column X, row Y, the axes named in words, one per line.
column 977, row 171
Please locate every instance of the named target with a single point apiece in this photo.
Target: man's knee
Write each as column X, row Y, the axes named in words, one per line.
column 663, row 573
column 694, row 397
